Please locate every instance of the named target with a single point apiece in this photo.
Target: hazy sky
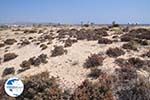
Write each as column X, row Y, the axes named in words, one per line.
column 75, row 11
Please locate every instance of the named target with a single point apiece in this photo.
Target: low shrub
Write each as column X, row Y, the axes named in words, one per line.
column 121, row 62
column 43, row 46
column 147, row 54
column 136, row 62
column 57, row 51
column 132, row 62
column 30, row 31
column 95, row 73
column 141, row 41
column 104, row 41
column 126, row 78
column 93, row 61
column 100, row 90
column 115, row 52
column 22, row 70
column 40, row 86
column 130, row 46
column 10, row 41
column 8, row 71
column 68, row 43
column 126, row 38
column 2, row 45
column 9, row 56
column 43, row 58
column 25, row 42
column 25, row 64
column 140, row 91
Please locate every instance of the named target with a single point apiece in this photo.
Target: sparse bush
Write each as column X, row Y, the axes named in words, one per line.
column 22, row 70
column 121, row 62
column 86, row 25
column 8, row 71
column 144, row 42
column 115, row 52
column 36, row 61
column 127, row 77
column 10, row 41
column 132, row 62
column 125, row 29
column 140, row 91
column 43, row 46
column 0, row 60
column 141, row 33
column 104, row 41
column 82, row 34
column 101, row 32
column 25, row 42
column 39, row 87
column 94, row 60
column 9, row 56
column 25, row 64
column 130, row 46
column 136, row 62
column 30, row 38
column 43, row 58
column 2, row 45
column 126, row 38
column 147, row 54
column 141, row 42
column 100, row 90
column 95, row 73
column 31, row 60
column 58, row 50
column 68, row 43
column 30, row 31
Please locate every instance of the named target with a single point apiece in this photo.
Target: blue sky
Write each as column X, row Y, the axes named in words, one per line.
column 75, row 11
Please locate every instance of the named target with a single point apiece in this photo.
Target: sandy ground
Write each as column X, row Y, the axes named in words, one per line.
column 68, row 67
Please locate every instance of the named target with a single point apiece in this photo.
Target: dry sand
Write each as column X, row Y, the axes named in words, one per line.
column 68, row 67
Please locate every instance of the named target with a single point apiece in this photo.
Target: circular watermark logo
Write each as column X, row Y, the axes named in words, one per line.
column 14, row 87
